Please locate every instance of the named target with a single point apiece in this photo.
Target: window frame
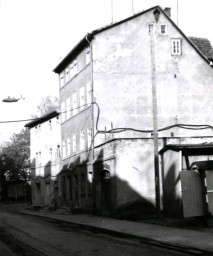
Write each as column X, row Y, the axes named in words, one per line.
column 67, row 74
column 176, row 46
column 87, row 55
column 89, row 93
column 89, row 137
column 74, row 104
column 74, row 143
column 64, row 149
column 63, row 112
column 82, row 98
column 75, row 67
column 82, row 140
column 68, row 147
column 68, row 108
column 62, row 79
column 165, row 33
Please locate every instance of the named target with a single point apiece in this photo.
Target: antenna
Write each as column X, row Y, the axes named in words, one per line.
column 177, row 12
column 111, row 11
column 132, row 7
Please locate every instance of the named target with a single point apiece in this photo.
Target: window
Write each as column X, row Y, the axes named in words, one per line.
column 58, row 152
column 176, row 47
column 89, row 137
column 74, row 104
column 163, row 29
column 89, row 93
column 74, row 143
column 64, row 151
column 47, row 189
column 67, row 74
column 88, row 56
column 71, row 71
column 68, row 108
column 82, row 98
column 38, row 187
column 82, row 140
column 39, row 128
column 36, row 160
column 89, row 184
column 61, row 77
column 51, row 154
column 68, row 147
column 63, row 113
column 82, row 183
column 39, row 158
column 50, row 125
column 57, row 120
column 150, row 28
column 75, row 68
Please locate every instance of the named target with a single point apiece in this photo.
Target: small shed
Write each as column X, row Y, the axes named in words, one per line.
column 187, row 179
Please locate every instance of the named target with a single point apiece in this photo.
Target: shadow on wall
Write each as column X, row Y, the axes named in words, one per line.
column 113, row 196
column 171, row 199
column 72, row 179
column 103, row 194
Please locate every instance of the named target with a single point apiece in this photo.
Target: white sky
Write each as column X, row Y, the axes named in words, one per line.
column 35, row 34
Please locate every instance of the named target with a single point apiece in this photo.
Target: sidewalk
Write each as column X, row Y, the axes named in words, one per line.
column 191, row 241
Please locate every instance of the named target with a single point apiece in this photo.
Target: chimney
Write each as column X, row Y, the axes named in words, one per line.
column 167, row 10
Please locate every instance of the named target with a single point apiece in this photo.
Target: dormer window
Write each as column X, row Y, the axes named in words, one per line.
column 176, row 47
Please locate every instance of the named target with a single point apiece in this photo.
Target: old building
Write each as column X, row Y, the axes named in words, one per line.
column 45, row 155
column 118, row 86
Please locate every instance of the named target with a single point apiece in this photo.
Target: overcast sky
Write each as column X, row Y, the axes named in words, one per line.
column 36, row 34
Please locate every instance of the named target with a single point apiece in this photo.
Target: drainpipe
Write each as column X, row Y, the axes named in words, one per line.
column 154, row 111
column 92, row 106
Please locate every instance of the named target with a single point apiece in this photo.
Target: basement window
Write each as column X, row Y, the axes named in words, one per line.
column 176, row 47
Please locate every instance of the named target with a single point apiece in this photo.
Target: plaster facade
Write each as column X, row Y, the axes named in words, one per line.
column 45, row 140
column 125, row 60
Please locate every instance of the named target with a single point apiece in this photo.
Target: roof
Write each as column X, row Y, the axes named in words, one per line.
column 189, row 149
column 204, row 45
column 42, row 119
column 84, row 42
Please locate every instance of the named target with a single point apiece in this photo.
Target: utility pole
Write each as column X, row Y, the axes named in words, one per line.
column 155, row 117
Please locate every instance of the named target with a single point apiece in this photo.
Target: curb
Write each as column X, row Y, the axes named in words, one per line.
column 140, row 239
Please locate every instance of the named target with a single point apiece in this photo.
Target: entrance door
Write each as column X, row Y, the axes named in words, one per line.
column 209, row 183
column 191, row 193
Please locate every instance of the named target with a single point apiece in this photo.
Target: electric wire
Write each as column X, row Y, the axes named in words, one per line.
column 119, row 130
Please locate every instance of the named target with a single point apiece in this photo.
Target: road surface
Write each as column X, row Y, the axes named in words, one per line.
column 34, row 236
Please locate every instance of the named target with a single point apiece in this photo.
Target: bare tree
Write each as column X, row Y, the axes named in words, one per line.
column 46, row 105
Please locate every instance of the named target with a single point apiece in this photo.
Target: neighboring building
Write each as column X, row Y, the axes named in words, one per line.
column 45, row 150
column 187, row 175
column 112, row 84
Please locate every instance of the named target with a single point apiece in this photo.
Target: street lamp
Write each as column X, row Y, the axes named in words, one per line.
column 11, row 100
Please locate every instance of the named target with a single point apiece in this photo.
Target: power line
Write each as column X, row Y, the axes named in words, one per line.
column 37, row 118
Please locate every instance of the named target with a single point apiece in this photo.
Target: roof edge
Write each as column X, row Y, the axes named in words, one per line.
column 89, row 37
column 42, row 119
